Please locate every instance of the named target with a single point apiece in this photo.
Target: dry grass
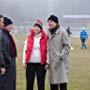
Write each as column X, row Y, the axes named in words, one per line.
column 79, row 67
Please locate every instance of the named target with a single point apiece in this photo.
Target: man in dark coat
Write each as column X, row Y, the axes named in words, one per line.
column 9, row 53
column 68, row 31
column 2, row 63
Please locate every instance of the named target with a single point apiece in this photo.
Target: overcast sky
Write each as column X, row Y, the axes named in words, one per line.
column 31, row 9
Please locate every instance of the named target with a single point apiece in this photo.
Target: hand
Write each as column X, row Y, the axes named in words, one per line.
column 24, row 66
column 46, row 66
column 3, row 70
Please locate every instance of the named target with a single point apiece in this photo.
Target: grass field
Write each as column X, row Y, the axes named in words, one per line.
column 79, row 66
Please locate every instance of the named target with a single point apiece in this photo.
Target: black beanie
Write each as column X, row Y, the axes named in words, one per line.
column 53, row 18
column 7, row 21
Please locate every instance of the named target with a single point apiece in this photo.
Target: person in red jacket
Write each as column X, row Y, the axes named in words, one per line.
column 35, row 56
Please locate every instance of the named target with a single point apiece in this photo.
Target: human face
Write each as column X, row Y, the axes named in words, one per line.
column 37, row 29
column 1, row 23
column 9, row 28
column 51, row 24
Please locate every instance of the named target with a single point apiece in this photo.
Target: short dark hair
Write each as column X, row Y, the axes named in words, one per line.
column 1, row 16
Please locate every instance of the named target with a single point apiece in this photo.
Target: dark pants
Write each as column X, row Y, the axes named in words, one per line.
column 8, row 80
column 83, row 43
column 62, row 86
column 39, row 71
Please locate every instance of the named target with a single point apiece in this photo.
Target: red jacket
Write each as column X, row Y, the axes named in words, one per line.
column 43, row 46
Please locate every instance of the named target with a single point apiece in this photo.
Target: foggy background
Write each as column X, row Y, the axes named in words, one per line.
column 25, row 12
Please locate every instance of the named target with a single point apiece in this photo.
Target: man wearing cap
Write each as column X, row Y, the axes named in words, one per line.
column 58, row 52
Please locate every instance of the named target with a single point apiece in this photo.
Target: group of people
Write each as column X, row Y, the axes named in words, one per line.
column 41, row 53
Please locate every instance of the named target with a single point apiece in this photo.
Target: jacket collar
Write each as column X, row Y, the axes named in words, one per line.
column 51, row 36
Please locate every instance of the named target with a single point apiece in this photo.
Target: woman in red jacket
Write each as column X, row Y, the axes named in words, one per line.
column 35, row 56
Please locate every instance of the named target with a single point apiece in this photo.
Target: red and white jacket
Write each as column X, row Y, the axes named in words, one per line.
column 28, row 48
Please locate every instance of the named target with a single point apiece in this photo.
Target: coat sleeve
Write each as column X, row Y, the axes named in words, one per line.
column 24, row 51
column 66, row 46
column 5, row 53
column 2, row 63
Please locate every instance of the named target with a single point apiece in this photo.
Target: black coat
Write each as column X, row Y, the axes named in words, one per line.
column 5, row 59
column 8, row 80
column 2, row 63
